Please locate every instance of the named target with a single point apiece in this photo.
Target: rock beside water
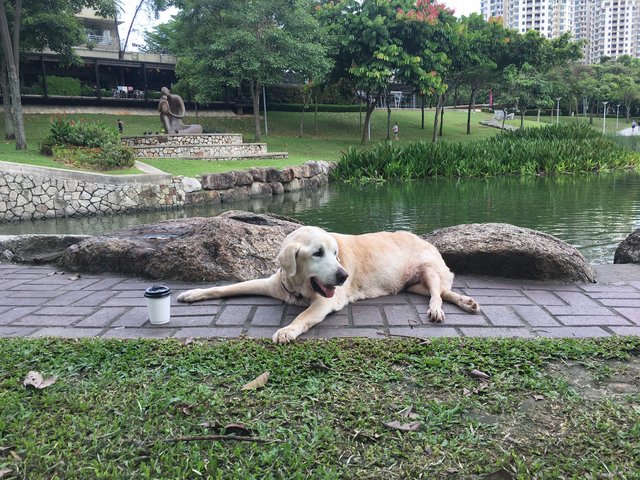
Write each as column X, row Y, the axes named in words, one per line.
column 629, row 250
column 499, row 249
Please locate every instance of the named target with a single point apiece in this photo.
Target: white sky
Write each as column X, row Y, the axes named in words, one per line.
column 463, row 7
column 144, row 22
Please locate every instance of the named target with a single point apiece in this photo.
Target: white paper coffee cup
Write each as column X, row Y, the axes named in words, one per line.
column 158, row 304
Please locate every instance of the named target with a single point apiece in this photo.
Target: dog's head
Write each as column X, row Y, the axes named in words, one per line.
column 309, row 256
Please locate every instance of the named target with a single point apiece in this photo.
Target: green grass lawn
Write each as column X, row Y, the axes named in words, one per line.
column 122, row 409
column 335, row 132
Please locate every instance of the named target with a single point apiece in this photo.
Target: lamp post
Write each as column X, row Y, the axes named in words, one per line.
column 604, row 118
column 617, row 117
column 558, row 110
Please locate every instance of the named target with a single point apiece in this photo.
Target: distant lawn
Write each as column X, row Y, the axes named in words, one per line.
column 547, row 409
column 335, row 133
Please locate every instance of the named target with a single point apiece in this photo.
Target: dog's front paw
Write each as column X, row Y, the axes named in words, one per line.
column 286, row 335
column 435, row 315
column 191, row 296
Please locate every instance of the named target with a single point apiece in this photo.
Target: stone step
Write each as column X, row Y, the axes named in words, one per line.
column 200, row 151
column 256, row 156
column 182, row 140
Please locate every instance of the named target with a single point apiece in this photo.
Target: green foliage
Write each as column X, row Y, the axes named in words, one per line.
column 64, row 86
column 86, row 144
column 560, row 149
column 297, row 107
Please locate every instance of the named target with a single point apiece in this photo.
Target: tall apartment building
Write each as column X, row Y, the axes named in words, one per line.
column 608, row 27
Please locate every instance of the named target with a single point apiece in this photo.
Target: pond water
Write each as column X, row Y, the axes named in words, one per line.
column 592, row 212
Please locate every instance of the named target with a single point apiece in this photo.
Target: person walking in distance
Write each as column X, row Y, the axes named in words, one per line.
column 633, row 127
column 120, row 126
column 396, row 130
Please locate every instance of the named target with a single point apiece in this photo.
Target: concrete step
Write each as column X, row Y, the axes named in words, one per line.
column 200, row 151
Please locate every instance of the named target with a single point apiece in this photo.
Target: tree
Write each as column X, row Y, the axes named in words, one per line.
column 151, row 7
column 36, row 25
column 525, row 87
column 231, row 42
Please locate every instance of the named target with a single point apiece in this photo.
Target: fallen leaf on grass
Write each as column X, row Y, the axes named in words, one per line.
column 501, row 474
column 408, row 413
column 403, row 427
column 36, row 380
column 538, row 398
column 319, row 366
column 258, row 382
column 5, row 471
column 478, row 374
column 15, row 456
column 237, row 429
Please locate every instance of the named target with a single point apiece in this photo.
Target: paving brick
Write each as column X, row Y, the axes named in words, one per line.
column 94, row 299
column 11, row 331
column 79, row 284
column 386, row 300
column 579, row 310
column 460, row 319
column 599, row 288
column 535, row 316
column 120, row 300
column 401, row 315
column 626, row 331
column 492, row 292
column 542, row 297
column 624, row 295
column 585, row 320
column 138, row 285
column 130, row 333
column 577, row 299
column 493, row 283
column 501, row 316
column 425, row 332
column 68, row 298
column 270, row 315
column 198, row 309
column 51, row 290
column 185, row 322
column 497, row 332
column 261, row 332
column 209, row 332
column 632, row 314
column 521, row 300
column 11, row 314
column 134, row 317
column 568, row 332
column 330, row 332
column 47, row 320
column 67, row 332
column 21, row 302
column 621, row 302
column 234, row 315
column 61, row 311
column 366, row 315
column 36, row 293
column 102, row 317
column 107, row 284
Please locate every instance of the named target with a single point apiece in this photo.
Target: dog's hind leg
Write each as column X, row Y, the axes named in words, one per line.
column 468, row 304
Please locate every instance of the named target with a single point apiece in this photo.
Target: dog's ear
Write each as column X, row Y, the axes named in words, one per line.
column 287, row 258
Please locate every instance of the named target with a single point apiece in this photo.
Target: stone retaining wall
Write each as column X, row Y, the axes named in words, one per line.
column 30, row 193
column 196, row 139
column 201, row 151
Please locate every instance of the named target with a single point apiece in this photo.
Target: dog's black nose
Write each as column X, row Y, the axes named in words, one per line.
column 341, row 276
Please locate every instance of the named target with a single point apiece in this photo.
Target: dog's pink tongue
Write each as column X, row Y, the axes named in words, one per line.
column 328, row 291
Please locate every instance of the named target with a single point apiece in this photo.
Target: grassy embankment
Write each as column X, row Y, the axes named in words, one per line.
column 336, row 133
column 119, row 410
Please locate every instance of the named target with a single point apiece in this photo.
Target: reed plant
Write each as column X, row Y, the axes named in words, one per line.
column 561, row 149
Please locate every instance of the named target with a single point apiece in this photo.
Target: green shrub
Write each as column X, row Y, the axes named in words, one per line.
column 108, row 157
column 64, row 86
column 84, row 144
column 571, row 148
column 297, row 107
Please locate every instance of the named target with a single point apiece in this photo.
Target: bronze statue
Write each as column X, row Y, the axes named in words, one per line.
column 172, row 111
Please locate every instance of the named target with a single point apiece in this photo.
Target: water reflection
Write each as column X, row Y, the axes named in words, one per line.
column 593, row 213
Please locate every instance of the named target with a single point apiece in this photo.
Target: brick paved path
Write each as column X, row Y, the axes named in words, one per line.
column 38, row 301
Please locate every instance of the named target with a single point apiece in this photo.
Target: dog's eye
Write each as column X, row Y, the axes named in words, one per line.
column 319, row 253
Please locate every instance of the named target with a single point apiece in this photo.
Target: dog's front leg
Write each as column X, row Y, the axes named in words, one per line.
column 316, row 312
column 265, row 286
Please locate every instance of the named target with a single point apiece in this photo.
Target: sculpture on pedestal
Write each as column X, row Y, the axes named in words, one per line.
column 172, row 111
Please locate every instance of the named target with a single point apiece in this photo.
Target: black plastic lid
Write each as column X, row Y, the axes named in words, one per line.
column 157, row 291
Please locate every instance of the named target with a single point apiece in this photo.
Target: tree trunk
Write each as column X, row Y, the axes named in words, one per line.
column 9, row 127
column 123, row 48
column 591, row 115
column 522, row 117
column 472, row 104
column 255, row 96
column 422, row 111
column 367, row 119
column 539, row 109
column 15, row 102
column 444, row 100
column 304, row 105
column 315, row 115
column 434, row 136
column 388, row 116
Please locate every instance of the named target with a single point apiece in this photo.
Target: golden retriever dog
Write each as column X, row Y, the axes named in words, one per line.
column 326, row 271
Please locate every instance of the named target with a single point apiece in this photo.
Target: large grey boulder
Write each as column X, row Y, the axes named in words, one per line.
column 36, row 248
column 629, row 250
column 235, row 245
column 508, row 251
